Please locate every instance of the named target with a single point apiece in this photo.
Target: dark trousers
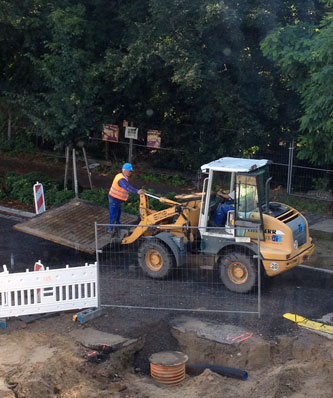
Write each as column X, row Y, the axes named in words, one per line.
column 222, row 212
column 114, row 211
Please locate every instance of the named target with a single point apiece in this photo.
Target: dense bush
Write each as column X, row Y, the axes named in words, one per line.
column 2, row 194
column 10, row 179
column 98, row 196
column 56, row 198
column 21, row 187
column 133, row 203
column 17, row 146
column 175, row 180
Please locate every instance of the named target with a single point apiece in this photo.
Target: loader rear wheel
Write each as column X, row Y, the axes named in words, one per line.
column 238, row 272
column 155, row 259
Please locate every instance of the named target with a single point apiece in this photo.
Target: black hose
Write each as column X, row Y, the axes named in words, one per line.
column 222, row 370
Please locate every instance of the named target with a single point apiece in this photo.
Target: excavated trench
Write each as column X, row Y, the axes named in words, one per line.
column 54, row 362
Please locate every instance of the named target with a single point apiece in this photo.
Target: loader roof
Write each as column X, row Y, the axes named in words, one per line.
column 235, row 164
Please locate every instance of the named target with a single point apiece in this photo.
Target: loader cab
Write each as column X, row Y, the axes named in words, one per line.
column 247, row 179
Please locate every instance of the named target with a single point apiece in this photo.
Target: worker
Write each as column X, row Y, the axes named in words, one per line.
column 119, row 191
column 222, row 210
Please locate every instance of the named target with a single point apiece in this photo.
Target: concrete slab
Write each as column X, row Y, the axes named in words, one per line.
column 325, row 226
column 89, row 337
column 327, row 319
column 8, row 210
column 220, row 333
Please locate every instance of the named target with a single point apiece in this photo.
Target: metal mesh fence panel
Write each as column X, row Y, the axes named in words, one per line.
column 312, row 183
column 161, row 272
column 298, row 177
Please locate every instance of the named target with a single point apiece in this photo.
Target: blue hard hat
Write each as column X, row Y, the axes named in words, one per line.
column 127, row 166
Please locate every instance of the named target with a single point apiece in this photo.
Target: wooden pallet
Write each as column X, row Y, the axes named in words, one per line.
column 73, row 225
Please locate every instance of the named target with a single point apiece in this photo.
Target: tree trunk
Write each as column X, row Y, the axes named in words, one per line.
column 66, row 167
column 87, row 166
column 76, row 188
column 9, row 126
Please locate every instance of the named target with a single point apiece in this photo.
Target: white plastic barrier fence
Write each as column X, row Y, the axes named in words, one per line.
column 42, row 291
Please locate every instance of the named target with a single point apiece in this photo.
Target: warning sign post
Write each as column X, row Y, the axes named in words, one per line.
column 39, row 198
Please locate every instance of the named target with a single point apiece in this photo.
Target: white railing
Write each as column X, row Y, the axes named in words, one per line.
column 43, row 291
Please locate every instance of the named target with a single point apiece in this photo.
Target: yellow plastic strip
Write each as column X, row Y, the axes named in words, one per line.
column 301, row 321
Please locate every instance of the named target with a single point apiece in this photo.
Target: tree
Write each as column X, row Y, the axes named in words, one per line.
column 65, row 108
column 303, row 52
column 197, row 64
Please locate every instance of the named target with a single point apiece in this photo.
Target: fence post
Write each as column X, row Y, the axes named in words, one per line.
column 130, row 148
column 76, row 189
column 66, row 167
column 290, row 166
column 259, row 273
column 98, row 269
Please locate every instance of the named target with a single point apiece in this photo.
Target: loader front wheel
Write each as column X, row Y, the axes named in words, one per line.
column 155, row 259
column 238, row 272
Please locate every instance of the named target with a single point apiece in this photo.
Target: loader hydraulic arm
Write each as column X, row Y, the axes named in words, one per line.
column 150, row 218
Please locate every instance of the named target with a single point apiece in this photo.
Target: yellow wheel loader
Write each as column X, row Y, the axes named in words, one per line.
column 232, row 241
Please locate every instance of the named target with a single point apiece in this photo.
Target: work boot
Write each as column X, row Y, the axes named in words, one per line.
column 113, row 233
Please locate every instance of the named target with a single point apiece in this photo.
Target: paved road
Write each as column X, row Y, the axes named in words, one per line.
column 20, row 251
column 304, row 291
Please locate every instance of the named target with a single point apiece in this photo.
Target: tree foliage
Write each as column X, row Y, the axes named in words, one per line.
column 303, row 52
column 191, row 68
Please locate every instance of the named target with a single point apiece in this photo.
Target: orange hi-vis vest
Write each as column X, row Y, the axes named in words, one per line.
column 116, row 190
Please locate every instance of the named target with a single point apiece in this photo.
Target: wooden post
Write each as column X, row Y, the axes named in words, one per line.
column 130, row 149
column 106, row 150
column 87, row 166
column 130, row 152
column 66, row 167
column 76, row 189
column 9, row 126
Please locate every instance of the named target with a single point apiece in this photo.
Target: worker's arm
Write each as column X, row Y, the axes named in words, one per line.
column 129, row 188
column 228, row 196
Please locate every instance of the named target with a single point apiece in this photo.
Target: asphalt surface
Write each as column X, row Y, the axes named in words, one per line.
column 305, row 291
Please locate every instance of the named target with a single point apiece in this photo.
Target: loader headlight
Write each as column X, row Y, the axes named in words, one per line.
column 295, row 244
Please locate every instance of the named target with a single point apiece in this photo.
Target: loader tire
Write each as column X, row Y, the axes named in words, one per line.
column 155, row 259
column 238, row 272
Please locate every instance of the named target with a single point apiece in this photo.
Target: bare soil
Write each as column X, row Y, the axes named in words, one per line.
column 43, row 359
column 54, row 168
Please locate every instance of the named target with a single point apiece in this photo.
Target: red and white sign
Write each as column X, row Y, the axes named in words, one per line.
column 39, row 266
column 39, row 198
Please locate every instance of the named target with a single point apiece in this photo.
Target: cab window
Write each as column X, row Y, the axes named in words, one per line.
column 247, row 206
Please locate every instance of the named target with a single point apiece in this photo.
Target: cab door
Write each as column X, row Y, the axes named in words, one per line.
column 248, row 212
